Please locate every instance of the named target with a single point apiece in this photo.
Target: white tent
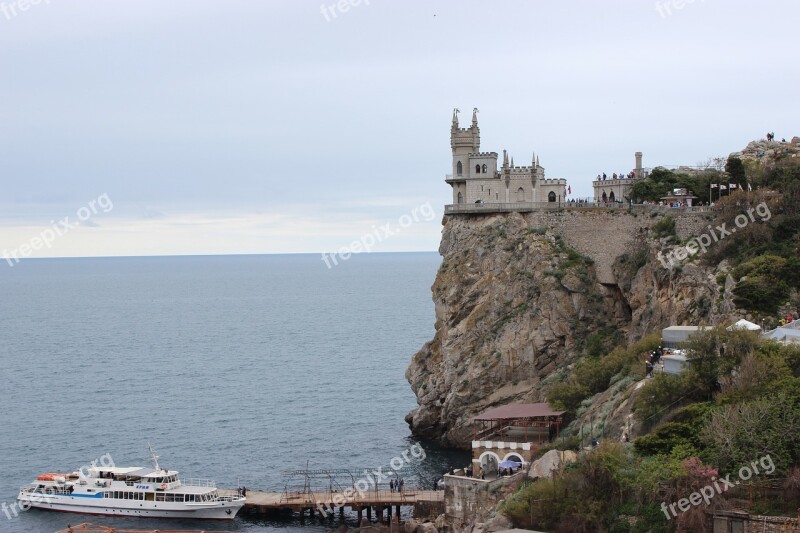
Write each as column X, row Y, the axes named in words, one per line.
column 745, row 324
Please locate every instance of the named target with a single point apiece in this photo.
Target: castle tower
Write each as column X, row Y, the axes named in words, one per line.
column 639, row 171
column 464, row 141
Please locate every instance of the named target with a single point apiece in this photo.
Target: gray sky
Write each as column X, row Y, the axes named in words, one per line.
column 267, row 127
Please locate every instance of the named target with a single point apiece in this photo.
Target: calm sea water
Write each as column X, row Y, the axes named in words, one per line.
column 234, row 368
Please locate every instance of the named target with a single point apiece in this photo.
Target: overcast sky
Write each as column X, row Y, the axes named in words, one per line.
column 296, row 126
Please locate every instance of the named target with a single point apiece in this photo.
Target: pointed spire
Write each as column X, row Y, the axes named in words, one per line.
column 512, row 162
column 475, row 117
column 455, row 118
column 533, row 160
column 537, row 161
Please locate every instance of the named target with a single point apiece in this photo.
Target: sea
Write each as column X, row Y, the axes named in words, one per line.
column 242, row 369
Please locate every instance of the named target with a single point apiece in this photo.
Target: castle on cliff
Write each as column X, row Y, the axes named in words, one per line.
column 476, row 180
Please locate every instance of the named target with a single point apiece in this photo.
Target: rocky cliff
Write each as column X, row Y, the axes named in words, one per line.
column 518, row 297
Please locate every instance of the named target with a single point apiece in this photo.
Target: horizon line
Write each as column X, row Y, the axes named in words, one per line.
column 210, row 255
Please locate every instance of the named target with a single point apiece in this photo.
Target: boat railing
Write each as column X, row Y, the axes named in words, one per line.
column 229, row 498
column 199, row 482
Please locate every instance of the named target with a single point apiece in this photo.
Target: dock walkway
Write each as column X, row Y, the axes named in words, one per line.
column 327, row 502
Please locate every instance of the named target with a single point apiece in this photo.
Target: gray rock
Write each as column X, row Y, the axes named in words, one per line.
column 544, row 467
column 499, row 523
column 427, row 527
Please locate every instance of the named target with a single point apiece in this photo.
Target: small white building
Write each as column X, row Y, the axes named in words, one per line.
column 675, row 336
column 784, row 335
column 674, row 363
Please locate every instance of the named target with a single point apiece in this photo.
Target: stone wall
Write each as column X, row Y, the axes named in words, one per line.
column 606, row 234
column 467, row 499
column 725, row 522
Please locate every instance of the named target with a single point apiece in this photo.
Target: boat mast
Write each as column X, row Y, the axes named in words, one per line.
column 154, row 457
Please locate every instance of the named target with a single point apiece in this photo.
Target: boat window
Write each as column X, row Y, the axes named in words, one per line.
column 160, row 497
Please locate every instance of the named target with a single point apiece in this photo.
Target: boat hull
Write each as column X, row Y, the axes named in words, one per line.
column 102, row 506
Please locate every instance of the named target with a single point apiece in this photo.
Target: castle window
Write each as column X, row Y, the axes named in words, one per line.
column 551, row 197
column 484, row 169
column 460, row 198
column 520, row 194
column 611, row 197
column 477, row 169
column 459, row 169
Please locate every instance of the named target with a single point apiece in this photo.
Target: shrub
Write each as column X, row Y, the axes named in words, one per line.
column 567, row 396
column 665, row 393
column 664, row 227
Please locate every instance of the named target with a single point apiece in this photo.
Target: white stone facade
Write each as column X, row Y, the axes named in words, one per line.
column 475, row 177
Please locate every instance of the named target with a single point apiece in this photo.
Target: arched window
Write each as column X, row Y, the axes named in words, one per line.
column 459, row 169
column 484, row 169
column 551, row 197
column 520, row 194
column 605, row 197
column 460, row 198
column 611, row 197
column 477, row 169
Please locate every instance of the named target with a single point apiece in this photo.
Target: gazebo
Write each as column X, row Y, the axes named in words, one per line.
column 512, row 433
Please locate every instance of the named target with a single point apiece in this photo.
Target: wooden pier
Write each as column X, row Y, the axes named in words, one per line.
column 326, row 503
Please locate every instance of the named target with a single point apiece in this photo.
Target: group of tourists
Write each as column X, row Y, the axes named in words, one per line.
column 771, row 137
column 396, row 485
column 603, row 177
column 652, row 360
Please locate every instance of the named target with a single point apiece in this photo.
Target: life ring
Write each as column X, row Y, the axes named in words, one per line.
column 163, row 486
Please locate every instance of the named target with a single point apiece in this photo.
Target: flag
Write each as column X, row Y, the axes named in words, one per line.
column 731, row 185
column 714, row 185
column 722, row 188
column 569, row 189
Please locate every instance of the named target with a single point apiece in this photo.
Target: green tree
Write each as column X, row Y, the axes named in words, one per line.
column 736, row 171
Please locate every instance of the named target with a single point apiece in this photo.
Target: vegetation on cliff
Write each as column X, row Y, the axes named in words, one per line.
column 764, row 256
column 738, row 402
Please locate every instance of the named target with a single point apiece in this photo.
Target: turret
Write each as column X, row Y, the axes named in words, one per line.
column 464, row 141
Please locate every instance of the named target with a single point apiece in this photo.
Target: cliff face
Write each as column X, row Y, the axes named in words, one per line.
column 515, row 305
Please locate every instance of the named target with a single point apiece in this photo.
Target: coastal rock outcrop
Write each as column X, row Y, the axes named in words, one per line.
column 516, row 304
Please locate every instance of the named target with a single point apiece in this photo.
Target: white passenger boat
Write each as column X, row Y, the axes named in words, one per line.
column 131, row 491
